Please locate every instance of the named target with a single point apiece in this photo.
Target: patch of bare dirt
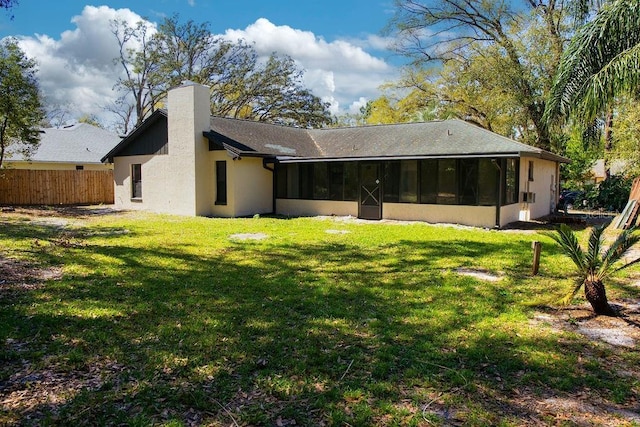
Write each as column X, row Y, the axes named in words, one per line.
column 479, row 274
column 621, row 331
column 60, row 211
column 18, row 276
column 248, row 236
column 617, row 334
column 31, row 393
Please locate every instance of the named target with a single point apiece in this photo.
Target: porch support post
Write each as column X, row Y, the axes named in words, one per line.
column 496, row 163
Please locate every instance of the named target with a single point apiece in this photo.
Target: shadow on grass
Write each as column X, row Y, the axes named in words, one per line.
column 254, row 333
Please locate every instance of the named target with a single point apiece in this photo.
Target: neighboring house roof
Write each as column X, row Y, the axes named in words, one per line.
column 80, row 143
column 616, row 167
column 449, row 138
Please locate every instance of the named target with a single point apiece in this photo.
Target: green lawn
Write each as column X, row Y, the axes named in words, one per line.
column 170, row 321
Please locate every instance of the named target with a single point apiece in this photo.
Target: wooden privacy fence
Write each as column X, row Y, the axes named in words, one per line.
column 55, row 187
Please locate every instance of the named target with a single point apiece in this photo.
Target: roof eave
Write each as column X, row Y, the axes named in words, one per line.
column 545, row 155
column 291, row 159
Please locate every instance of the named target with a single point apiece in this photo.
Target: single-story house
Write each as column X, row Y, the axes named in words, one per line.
column 77, row 147
column 184, row 161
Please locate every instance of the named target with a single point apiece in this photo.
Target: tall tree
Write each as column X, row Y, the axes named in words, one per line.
column 601, row 63
column 460, row 32
column 20, row 104
column 241, row 85
column 137, row 55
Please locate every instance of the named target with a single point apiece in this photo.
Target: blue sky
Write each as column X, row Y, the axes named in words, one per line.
column 337, row 43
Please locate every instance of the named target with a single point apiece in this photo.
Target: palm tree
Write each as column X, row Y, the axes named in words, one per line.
column 595, row 264
column 601, row 62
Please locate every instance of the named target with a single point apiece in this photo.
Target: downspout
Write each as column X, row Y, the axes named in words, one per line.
column 499, row 198
column 265, row 161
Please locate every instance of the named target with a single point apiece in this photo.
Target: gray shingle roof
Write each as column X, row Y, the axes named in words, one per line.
column 428, row 139
column 245, row 136
column 80, row 143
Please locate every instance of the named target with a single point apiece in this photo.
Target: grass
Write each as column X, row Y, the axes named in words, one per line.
column 169, row 321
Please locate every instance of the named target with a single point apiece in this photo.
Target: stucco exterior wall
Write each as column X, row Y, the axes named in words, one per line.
column 509, row 214
column 476, row 216
column 55, row 166
column 544, row 185
column 294, row 207
column 188, row 179
column 155, row 197
column 249, row 187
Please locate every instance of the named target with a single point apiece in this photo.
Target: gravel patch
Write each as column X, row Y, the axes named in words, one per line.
column 248, row 236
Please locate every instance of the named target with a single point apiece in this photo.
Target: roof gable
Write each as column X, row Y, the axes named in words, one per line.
column 151, row 137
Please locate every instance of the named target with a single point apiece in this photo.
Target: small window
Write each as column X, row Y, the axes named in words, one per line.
column 79, row 167
column 136, row 181
column 221, row 182
column 530, row 170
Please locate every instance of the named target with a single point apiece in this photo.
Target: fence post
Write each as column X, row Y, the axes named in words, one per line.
column 537, row 247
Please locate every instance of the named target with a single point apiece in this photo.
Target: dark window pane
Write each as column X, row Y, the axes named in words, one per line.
column 447, row 182
column 336, row 180
column 487, row 183
column 320, row 181
column 306, row 180
column 293, row 181
column 511, row 182
column 428, row 181
column 136, row 181
column 221, row 182
column 281, row 181
column 391, row 182
column 351, row 181
column 468, row 182
column 409, row 181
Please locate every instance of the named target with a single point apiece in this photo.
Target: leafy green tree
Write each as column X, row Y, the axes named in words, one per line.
column 90, row 119
column 595, row 264
column 626, row 138
column 601, row 63
column 241, row 85
column 499, row 56
column 20, row 105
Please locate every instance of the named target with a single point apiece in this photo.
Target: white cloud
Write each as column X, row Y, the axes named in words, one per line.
column 355, row 106
column 340, row 72
column 78, row 69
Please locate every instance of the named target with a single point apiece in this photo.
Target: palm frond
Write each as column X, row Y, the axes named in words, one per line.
column 568, row 241
column 592, row 255
column 618, row 249
column 600, row 62
column 566, row 300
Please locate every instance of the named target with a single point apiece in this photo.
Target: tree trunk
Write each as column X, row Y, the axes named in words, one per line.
column 596, row 294
column 608, row 143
